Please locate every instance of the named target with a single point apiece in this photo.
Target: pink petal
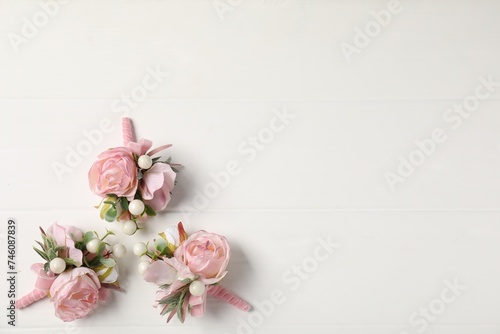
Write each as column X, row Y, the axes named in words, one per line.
column 58, row 233
column 104, row 294
column 76, row 255
column 198, row 309
column 141, row 147
column 162, row 196
column 160, row 273
column 152, row 181
column 159, row 201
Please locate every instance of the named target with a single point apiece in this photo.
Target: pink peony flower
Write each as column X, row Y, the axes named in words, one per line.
column 75, row 293
column 63, row 236
column 205, row 254
column 114, row 172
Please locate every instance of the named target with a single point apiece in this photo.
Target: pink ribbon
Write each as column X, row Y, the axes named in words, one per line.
column 140, row 147
column 128, row 135
column 42, row 286
column 198, row 303
column 221, row 292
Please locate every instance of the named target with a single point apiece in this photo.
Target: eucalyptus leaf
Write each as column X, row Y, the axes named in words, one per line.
column 87, row 237
column 108, row 262
column 149, row 211
column 101, row 248
column 111, row 214
column 160, row 245
column 124, row 203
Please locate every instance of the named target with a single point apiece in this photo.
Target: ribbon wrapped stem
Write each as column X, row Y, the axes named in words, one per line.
column 128, row 134
column 221, row 292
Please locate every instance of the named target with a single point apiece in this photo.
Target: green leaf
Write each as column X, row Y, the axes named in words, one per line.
column 70, row 262
column 101, row 248
column 51, row 254
column 156, row 159
column 111, row 214
column 94, row 263
column 74, row 238
column 113, row 204
column 87, row 237
column 160, row 245
column 58, row 248
column 124, row 203
column 149, row 211
column 42, row 254
column 180, row 313
column 172, row 299
column 46, row 267
column 51, row 243
column 108, row 262
column 168, row 308
column 41, row 245
column 175, row 169
column 169, row 160
column 186, row 281
column 165, row 286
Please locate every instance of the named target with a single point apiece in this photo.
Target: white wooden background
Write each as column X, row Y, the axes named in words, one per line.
column 232, row 66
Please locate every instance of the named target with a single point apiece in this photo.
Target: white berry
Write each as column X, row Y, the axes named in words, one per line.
column 93, row 245
column 145, row 162
column 129, row 227
column 57, row 265
column 119, row 250
column 136, row 207
column 196, row 288
column 139, row 248
column 143, row 265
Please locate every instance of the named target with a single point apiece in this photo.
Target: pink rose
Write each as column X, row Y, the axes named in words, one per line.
column 66, row 236
column 205, row 254
column 75, row 293
column 114, row 172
